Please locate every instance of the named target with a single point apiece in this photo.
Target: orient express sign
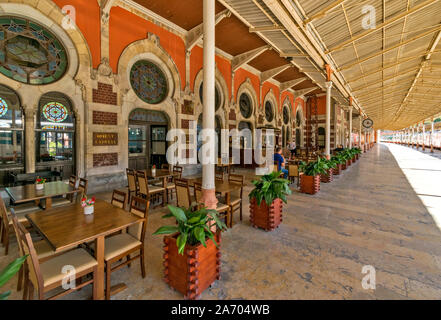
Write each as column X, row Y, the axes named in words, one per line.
column 105, row 139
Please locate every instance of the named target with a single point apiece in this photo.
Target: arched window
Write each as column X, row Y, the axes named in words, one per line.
column 286, row 115
column 55, row 133
column 11, row 129
column 269, row 111
column 321, row 137
column 149, row 82
column 246, row 108
column 217, row 96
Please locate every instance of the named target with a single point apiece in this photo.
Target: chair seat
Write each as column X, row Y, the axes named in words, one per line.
column 234, row 201
column 119, row 244
column 43, row 249
column 170, row 185
column 222, row 207
column 51, row 270
column 155, row 189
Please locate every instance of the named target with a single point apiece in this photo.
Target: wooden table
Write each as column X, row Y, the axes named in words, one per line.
column 161, row 174
column 68, row 227
column 28, row 193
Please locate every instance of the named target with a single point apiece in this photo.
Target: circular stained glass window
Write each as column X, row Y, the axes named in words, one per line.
column 149, row 82
column 285, row 115
column 245, row 106
column 3, row 107
column 55, row 112
column 269, row 112
column 30, row 53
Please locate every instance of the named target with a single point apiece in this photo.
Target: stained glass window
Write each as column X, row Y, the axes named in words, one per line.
column 55, row 112
column 269, row 112
column 245, row 105
column 3, row 107
column 149, row 82
column 285, row 115
column 30, row 53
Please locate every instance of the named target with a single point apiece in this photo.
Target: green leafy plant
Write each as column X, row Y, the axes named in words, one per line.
column 269, row 188
column 339, row 159
column 332, row 163
column 8, row 273
column 193, row 227
column 314, row 168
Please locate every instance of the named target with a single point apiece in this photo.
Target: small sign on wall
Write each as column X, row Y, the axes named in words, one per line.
column 105, row 139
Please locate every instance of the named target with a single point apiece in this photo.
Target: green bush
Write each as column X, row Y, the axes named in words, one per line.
column 314, row 168
column 269, row 188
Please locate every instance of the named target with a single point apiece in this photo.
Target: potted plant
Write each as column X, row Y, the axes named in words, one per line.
column 339, row 161
column 310, row 179
column 191, row 252
column 357, row 153
column 8, row 273
column 39, row 183
column 266, row 201
column 88, row 205
column 328, row 177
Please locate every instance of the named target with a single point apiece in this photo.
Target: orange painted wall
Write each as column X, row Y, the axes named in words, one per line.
column 240, row 76
column 125, row 28
column 300, row 101
column 266, row 87
column 196, row 64
column 87, row 18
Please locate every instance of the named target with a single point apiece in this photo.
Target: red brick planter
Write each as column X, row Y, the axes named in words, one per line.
column 193, row 272
column 309, row 184
column 344, row 166
column 337, row 171
column 327, row 178
column 264, row 216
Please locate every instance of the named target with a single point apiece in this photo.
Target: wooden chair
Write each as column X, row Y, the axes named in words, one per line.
column 127, row 244
column 119, row 199
column 57, row 202
column 6, row 223
column 178, row 170
column 183, row 197
column 219, row 175
column 145, row 190
column 48, row 275
column 222, row 209
column 165, row 166
column 42, row 248
column 82, row 187
column 236, row 196
column 293, row 173
column 131, row 180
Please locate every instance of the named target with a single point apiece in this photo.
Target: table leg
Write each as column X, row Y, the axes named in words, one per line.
column 164, row 194
column 98, row 292
column 228, row 200
column 48, row 204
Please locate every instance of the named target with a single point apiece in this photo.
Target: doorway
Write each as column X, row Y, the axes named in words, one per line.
column 147, row 139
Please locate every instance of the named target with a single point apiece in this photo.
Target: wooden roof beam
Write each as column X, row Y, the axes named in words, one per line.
column 385, row 79
column 292, row 83
column 269, row 74
column 322, row 13
column 266, row 28
column 381, row 26
column 306, row 91
column 244, row 58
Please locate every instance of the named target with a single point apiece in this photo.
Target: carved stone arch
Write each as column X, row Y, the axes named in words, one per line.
column 222, row 87
column 247, row 87
column 150, row 50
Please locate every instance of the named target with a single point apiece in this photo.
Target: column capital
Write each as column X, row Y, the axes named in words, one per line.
column 328, row 84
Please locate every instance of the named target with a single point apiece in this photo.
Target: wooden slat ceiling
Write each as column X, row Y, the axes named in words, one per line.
column 232, row 35
column 381, row 65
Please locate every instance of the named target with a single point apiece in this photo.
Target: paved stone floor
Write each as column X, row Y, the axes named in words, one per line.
column 371, row 215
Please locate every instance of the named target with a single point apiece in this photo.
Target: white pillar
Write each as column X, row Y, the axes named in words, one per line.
column 413, row 135
column 424, row 136
column 208, row 113
column 328, row 119
column 350, row 127
column 359, row 142
column 431, row 135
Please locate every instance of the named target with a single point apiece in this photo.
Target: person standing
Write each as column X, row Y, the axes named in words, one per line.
column 292, row 148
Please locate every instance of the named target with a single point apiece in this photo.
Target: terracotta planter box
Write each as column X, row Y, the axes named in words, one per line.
column 309, row 184
column 264, row 216
column 344, row 166
column 349, row 162
column 195, row 270
column 327, row 178
column 337, row 171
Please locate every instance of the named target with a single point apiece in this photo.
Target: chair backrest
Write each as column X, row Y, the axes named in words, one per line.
column 238, row 179
column 293, row 171
column 4, row 217
column 119, row 199
column 183, row 198
column 276, row 166
column 178, row 170
column 140, row 208
column 142, row 182
column 83, row 186
column 165, row 166
column 131, row 179
column 27, row 247
column 198, row 194
column 73, row 181
column 219, row 176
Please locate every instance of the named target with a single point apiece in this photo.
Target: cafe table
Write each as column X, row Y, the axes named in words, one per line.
column 28, row 193
column 68, row 227
column 161, row 174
